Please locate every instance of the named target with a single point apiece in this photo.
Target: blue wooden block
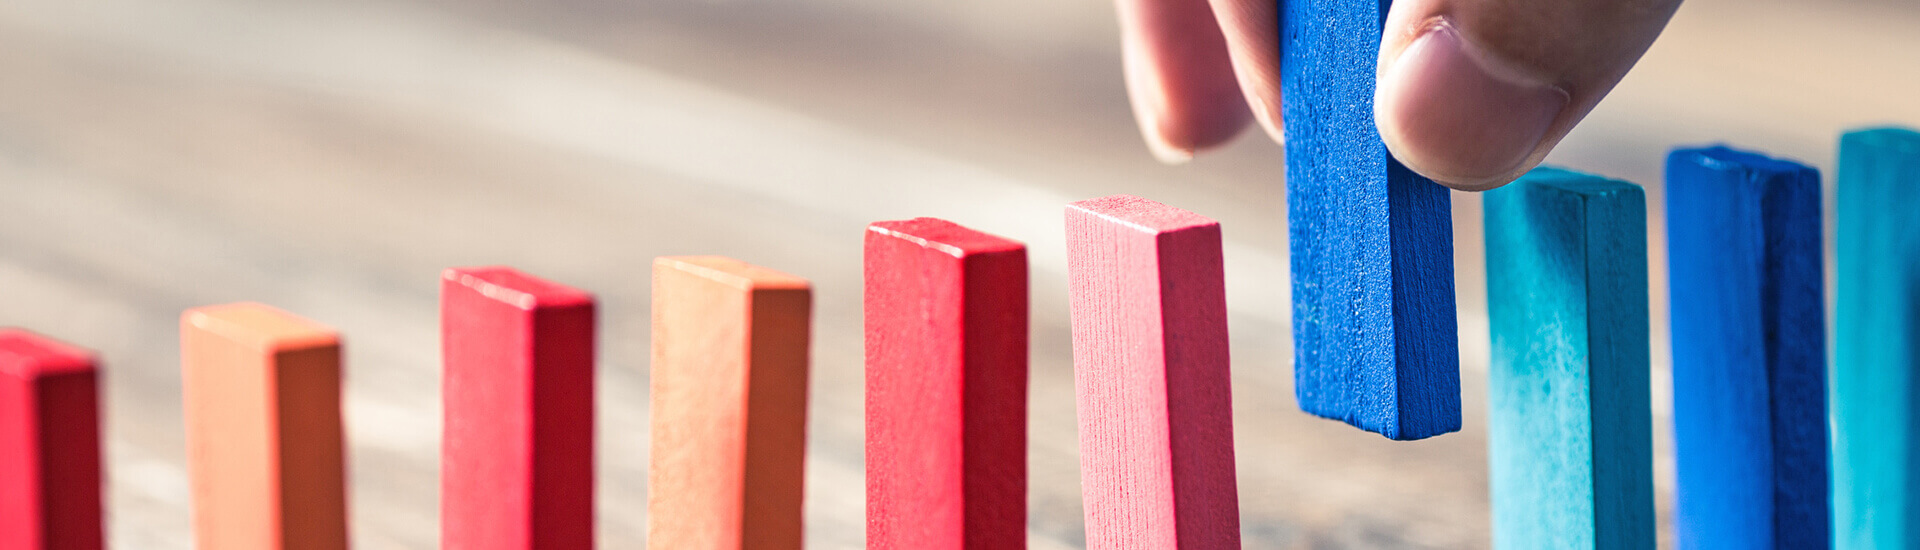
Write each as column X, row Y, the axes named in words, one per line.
column 1571, row 432
column 1374, row 334
column 1749, row 350
column 1876, row 342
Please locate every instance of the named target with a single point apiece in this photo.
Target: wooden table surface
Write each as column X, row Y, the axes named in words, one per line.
column 332, row 157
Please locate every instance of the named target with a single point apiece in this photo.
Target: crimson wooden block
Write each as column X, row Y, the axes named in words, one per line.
column 729, row 405
column 517, row 469
column 49, row 445
column 265, row 445
column 946, row 331
column 1149, row 311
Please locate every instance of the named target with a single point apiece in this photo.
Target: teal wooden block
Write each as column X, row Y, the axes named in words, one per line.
column 1876, row 342
column 1571, row 431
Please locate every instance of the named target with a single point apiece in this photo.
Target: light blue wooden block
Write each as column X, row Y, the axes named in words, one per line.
column 1876, row 342
column 1570, row 431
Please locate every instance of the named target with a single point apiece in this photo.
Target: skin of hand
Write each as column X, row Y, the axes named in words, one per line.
column 1470, row 93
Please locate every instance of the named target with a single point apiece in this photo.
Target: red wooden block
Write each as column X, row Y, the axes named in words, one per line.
column 49, row 445
column 1149, row 310
column 946, row 311
column 517, row 464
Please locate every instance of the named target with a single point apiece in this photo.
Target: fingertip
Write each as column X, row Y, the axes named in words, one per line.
column 1168, row 153
column 1457, row 114
column 1178, row 75
column 1473, row 93
column 1175, row 130
column 1252, row 32
column 1267, row 113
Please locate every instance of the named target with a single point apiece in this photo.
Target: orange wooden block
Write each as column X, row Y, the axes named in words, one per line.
column 729, row 405
column 265, row 446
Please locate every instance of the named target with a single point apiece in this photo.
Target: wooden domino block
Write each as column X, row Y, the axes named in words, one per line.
column 1374, row 332
column 1570, row 432
column 517, row 470
column 729, row 405
column 946, row 331
column 49, row 445
column 1749, row 350
column 1149, row 310
column 1876, row 412
column 264, row 438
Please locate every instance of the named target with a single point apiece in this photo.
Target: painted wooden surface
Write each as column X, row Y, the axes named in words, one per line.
column 1749, row 351
column 262, row 394
column 1374, row 328
column 1570, row 433
column 946, row 369
column 1148, row 304
column 49, row 445
column 729, row 405
column 517, row 461
column 1876, row 456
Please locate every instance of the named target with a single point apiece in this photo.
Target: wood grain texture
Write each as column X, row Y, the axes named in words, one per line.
column 946, row 387
column 1148, row 303
column 1570, row 432
column 1374, row 328
column 1876, row 455
column 1749, row 351
column 517, row 455
column 266, row 447
column 49, row 445
column 729, row 405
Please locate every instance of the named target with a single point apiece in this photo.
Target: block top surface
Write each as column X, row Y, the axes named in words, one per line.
column 1576, row 183
column 950, row 238
column 515, row 288
column 731, row 272
column 1723, row 158
column 1897, row 139
column 259, row 326
column 1142, row 214
column 24, row 354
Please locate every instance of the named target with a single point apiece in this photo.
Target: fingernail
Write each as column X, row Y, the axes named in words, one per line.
column 1150, row 112
column 1167, row 153
column 1448, row 109
column 1264, row 113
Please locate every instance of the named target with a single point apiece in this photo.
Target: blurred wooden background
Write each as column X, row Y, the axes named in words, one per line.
column 331, row 157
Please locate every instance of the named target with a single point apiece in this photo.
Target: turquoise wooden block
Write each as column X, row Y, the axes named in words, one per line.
column 1876, row 342
column 1570, row 433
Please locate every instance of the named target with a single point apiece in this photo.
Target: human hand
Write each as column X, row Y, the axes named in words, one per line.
column 1470, row 93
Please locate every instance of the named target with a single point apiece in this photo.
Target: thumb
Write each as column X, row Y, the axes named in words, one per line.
column 1473, row 93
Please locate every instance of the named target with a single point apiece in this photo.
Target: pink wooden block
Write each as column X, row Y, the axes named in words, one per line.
column 49, row 445
column 946, row 313
column 518, row 390
column 1150, row 366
